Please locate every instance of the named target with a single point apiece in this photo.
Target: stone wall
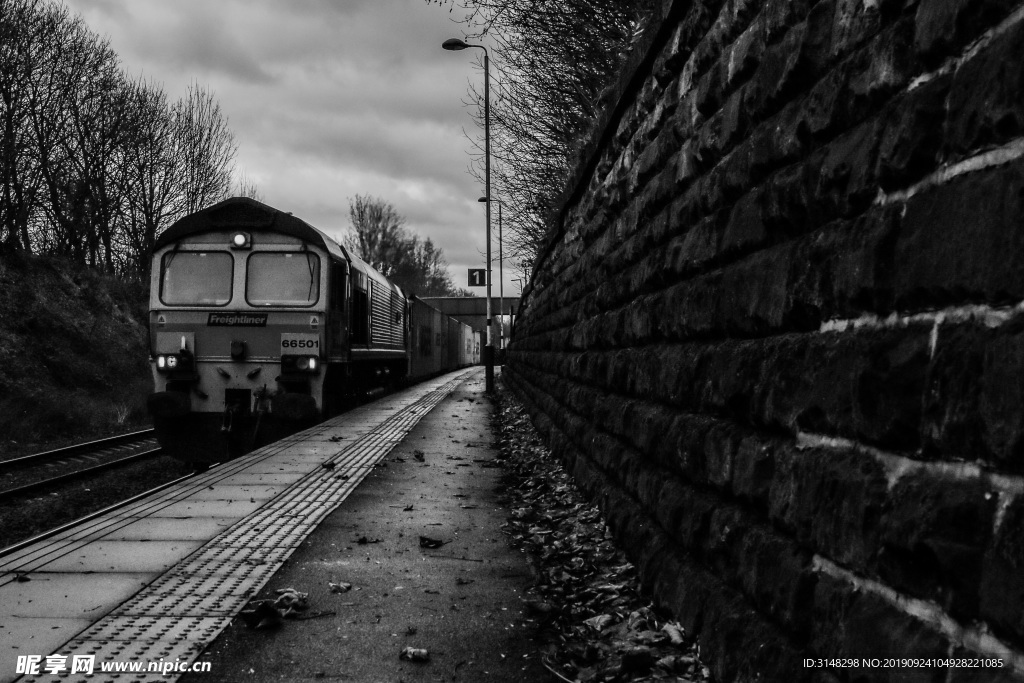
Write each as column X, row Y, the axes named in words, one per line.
column 780, row 338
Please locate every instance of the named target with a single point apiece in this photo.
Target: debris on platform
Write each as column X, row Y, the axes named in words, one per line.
column 328, row 465
column 414, row 654
column 427, row 542
column 260, row 614
column 340, row 587
column 592, row 621
column 290, row 600
column 419, row 455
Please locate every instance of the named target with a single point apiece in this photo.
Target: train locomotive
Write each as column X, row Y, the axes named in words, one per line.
column 261, row 325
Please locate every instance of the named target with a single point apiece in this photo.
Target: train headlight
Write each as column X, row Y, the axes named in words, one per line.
column 310, row 364
column 169, row 362
column 241, row 240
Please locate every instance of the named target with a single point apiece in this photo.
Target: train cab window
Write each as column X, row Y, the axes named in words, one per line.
column 196, row 278
column 283, row 279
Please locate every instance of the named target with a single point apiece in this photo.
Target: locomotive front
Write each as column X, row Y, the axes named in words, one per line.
column 239, row 317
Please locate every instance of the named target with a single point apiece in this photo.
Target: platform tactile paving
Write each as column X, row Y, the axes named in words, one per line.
column 179, row 613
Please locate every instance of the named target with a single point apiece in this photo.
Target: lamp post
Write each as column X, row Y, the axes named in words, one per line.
column 456, row 44
column 501, row 292
column 501, row 282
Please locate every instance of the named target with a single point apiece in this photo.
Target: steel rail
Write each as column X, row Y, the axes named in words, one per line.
column 76, row 450
column 6, row 494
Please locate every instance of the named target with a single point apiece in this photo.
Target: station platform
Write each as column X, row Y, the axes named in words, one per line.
column 156, row 582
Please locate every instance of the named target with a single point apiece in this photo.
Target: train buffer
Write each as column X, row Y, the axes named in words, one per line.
column 387, row 518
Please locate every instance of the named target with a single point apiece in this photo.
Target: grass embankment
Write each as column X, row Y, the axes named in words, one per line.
column 73, row 354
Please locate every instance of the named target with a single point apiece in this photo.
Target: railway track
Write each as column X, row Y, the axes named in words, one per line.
column 32, row 473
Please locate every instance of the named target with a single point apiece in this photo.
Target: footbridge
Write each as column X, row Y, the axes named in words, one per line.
column 473, row 310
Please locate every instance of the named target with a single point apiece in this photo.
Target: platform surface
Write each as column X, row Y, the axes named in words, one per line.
column 157, row 580
column 464, row 603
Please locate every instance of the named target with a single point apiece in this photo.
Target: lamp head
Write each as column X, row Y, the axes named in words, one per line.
column 454, row 44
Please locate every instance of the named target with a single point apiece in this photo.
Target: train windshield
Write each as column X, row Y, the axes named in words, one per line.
column 196, row 278
column 283, row 279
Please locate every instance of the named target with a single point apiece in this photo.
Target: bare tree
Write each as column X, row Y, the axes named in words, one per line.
column 101, row 134
column 247, row 187
column 552, row 61
column 20, row 39
column 153, row 198
column 206, row 147
column 77, row 122
column 94, row 165
column 378, row 236
column 378, row 232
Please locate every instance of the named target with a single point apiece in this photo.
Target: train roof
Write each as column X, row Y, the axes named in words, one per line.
column 243, row 213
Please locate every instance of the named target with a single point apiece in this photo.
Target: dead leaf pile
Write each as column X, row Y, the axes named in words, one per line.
column 594, row 623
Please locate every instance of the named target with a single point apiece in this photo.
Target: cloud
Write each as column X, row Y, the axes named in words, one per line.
column 327, row 99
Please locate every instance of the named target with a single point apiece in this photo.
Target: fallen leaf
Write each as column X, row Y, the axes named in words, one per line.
column 675, row 633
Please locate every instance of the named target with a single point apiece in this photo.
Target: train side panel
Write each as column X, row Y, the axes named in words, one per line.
column 439, row 343
column 422, row 359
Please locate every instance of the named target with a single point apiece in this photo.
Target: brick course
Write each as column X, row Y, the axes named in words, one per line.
column 778, row 336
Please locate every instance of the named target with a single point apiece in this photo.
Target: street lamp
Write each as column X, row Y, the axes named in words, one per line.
column 501, row 282
column 456, row 44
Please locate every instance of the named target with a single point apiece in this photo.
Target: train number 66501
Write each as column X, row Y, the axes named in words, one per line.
column 296, row 341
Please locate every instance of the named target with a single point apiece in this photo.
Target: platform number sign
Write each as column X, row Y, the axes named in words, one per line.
column 477, row 277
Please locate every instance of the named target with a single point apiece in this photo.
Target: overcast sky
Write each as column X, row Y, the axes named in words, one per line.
column 327, row 99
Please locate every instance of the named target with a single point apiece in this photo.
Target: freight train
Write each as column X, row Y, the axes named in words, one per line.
column 261, row 325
